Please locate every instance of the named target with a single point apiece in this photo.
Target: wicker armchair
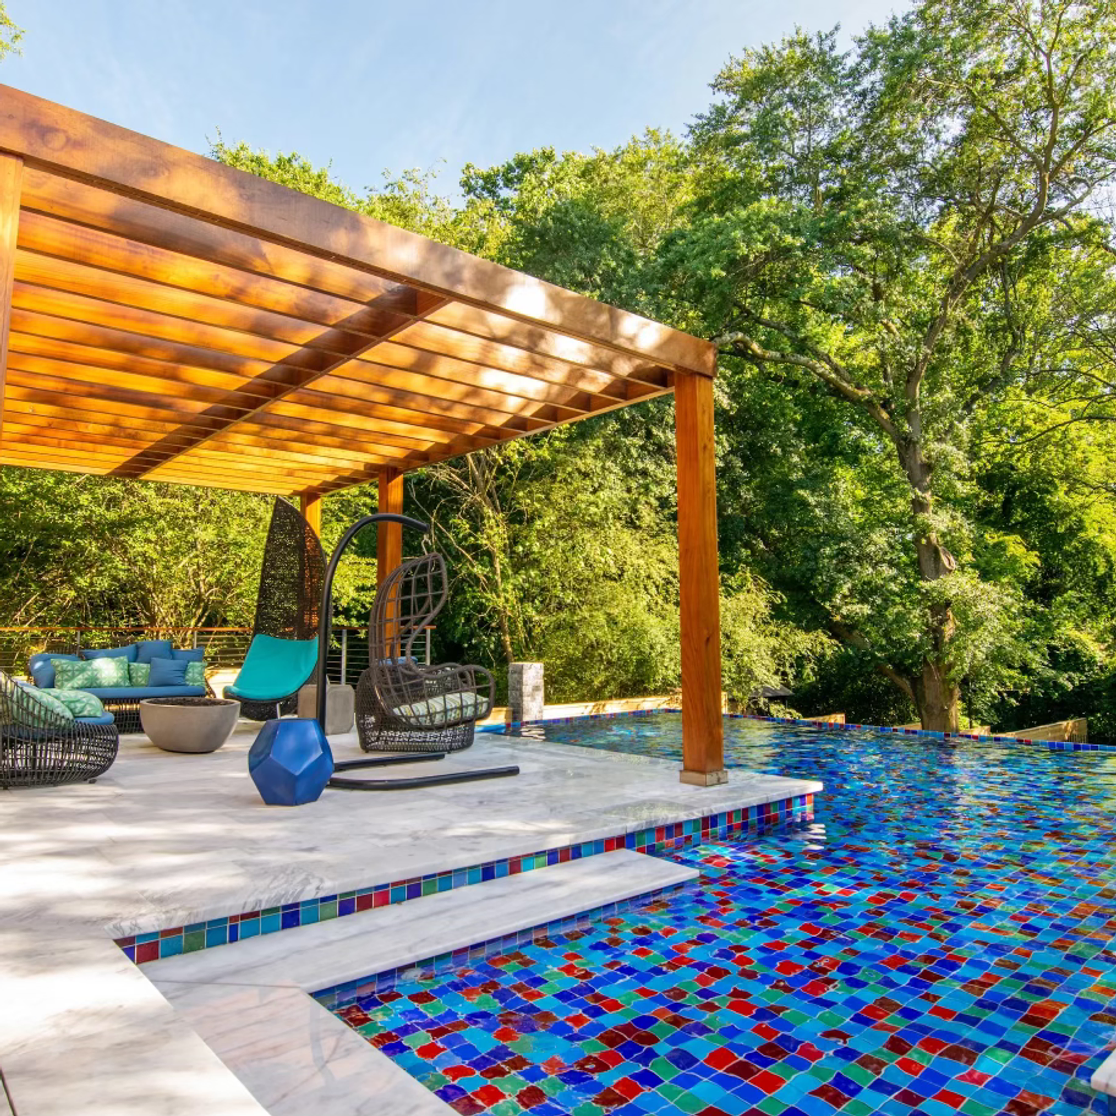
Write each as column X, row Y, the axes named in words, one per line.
column 39, row 748
column 287, row 602
column 401, row 704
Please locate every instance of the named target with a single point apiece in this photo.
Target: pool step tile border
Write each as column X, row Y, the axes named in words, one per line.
column 1053, row 745
column 451, row 961
column 754, row 820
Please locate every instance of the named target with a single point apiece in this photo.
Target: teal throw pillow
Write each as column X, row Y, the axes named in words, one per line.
column 80, row 703
column 167, row 672
column 138, row 673
column 127, row 652
column 40, row 709
column 91, row 674
column 195, row 673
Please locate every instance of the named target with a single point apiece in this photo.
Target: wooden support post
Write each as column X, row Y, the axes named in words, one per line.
column 389, row 539
column 310, row 504
column 702, row 725
column 11, row 179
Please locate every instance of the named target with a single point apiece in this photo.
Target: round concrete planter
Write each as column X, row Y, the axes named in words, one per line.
column 189, row 724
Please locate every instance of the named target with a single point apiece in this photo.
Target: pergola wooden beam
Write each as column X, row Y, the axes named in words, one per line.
column 74, row 145
column 11, row 177
column 389, row 536
column 280, row 377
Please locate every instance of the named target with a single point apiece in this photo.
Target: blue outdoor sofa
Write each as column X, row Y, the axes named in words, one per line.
column 123, row 701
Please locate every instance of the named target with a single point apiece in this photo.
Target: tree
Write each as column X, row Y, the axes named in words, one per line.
column 865, row 221
column 10, row 33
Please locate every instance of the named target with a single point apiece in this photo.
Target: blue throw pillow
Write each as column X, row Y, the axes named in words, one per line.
column 167, row 672
column 41, row 668
column 148, row 649
column 128, row 653
column 189, row 654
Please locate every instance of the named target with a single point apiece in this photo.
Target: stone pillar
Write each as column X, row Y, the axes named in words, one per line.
column 526, row 696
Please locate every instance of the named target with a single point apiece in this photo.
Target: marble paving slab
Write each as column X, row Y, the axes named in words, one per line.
column 83, row 1030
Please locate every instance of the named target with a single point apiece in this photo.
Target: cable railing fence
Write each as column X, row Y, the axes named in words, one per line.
column 225, row 648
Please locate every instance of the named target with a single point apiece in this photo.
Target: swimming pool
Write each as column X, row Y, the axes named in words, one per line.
column 939, row 939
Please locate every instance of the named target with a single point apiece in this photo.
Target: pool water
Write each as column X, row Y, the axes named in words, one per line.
column 938, row 940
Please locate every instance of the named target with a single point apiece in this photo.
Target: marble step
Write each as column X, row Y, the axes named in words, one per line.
column 249, row 1001
column 328, row 953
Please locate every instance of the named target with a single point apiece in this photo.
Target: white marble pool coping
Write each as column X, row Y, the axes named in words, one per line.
column 165, row 839
column 250, row 1002
column 1104, row 1077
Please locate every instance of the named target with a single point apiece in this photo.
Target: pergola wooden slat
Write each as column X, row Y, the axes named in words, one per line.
column 165, row 317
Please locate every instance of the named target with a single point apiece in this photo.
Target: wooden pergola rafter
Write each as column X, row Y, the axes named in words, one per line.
column 164, row 317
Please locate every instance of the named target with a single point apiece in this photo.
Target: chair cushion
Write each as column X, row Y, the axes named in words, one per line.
column 81, row 703
column 128, row 652
column 148, row 649
column 39, row 709
column 167, row 672
column 138, row 693
column 274, row 668
column 85, row 674
column 443, row 708
column 41, row 667
column 103, row 719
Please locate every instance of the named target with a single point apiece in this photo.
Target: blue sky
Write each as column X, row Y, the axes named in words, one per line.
column 371, row 86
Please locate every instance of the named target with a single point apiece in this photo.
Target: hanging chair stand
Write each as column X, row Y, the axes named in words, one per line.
column 325, row 619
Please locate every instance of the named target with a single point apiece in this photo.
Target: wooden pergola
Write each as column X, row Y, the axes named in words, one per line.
column 164, row 317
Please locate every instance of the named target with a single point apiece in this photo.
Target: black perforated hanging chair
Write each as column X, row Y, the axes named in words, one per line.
column 283, row 652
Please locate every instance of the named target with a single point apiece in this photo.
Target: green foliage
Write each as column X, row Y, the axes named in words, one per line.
column 408, row 200
column 757, row 649
column 905, row 252
column 10, row 33
column 93, row 550
column 895, row 225
column 558, row 556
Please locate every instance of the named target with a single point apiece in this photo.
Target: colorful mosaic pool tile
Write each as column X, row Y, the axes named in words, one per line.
column 143, row 948
column 537, row 729
column 941, row 939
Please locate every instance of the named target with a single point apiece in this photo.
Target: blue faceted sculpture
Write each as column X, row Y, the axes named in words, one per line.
column 290, row 761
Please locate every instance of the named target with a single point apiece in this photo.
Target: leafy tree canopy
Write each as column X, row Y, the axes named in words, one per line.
column 905, row 252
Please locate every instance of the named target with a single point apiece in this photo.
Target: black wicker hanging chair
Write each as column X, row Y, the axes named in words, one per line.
column 403, row 705
column 285, row 632
column 40, row 748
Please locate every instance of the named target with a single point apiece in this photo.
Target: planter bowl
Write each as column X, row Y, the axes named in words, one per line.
column 189, row 724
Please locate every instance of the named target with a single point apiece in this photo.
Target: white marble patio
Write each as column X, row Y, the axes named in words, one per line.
column 165, row 839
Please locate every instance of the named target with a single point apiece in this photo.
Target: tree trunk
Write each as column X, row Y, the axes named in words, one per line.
column 937, row 696
column 938, row 699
